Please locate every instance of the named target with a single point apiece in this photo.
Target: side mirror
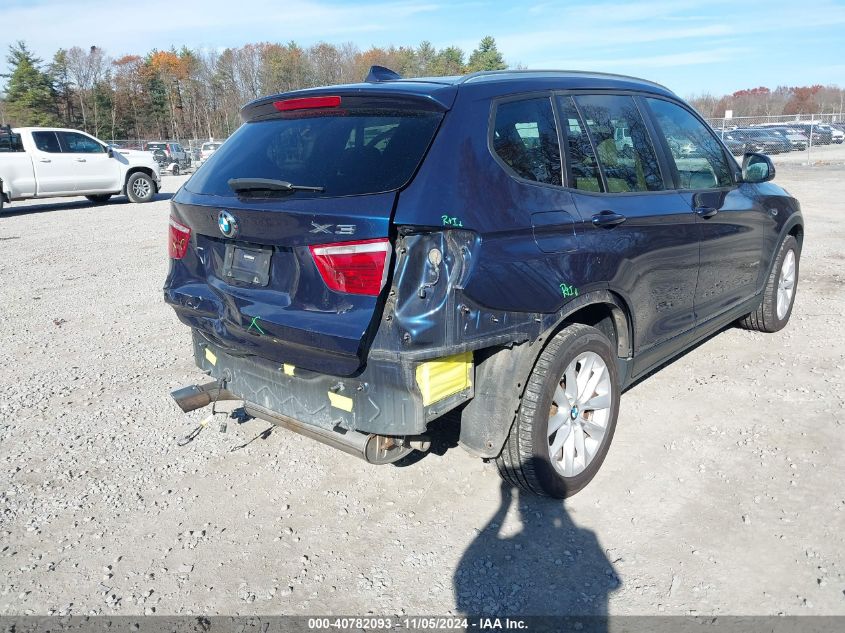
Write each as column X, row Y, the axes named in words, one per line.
column 757, row 168
column 110, row 151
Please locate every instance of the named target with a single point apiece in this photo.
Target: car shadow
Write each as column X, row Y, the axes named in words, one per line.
column 9, row 211
column 539, row 565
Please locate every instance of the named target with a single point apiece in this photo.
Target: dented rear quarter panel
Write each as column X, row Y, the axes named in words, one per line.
column 461, row 185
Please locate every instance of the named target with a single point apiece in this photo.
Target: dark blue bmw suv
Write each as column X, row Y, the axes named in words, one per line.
column 515, row 248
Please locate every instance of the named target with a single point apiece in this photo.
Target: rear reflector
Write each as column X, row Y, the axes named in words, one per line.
column 177, row 240
column 353, row 267
column 306, row 103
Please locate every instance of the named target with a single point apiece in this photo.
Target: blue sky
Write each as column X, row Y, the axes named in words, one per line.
column 692, row 46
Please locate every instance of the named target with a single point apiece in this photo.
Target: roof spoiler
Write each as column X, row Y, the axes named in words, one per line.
column 380, row 73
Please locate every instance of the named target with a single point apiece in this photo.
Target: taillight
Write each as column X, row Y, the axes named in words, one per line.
column 306, row 103
column 354, row 267
column 177, row 240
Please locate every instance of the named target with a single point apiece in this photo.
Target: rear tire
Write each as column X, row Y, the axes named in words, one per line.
column 101, row 199
column 175, row 170
column 779, row 294
column 577, row 368
column 140, row 187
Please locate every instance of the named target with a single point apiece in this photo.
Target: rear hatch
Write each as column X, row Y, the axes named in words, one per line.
column 281, row 242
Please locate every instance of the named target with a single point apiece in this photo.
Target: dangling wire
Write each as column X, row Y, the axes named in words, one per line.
column 190, row 437
column 263, row 435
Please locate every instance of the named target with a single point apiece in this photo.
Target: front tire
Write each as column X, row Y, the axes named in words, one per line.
column 101, row 199
column 140, row 187
column 779, row 294
column 567, row 417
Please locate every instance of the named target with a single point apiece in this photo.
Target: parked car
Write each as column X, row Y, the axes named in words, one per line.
column 681, row 146
column 822, row 135
column 208, row 149
column 40, row 162
column 796, row 140
column 735, row 146
column 759, row 140
column 176, row 158
column 359, row 260
column 837, row 135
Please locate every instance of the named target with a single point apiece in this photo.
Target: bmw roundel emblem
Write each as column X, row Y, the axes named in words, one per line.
column 227, row 224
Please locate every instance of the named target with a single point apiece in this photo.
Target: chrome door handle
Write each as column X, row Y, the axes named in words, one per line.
column 80, row 160
column 608, row 219
column 44, row 160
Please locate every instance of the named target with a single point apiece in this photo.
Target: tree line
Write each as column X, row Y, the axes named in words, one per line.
column 783, row 100
column 181, row 94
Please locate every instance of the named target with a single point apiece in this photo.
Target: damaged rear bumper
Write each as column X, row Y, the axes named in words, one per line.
column 387, row 398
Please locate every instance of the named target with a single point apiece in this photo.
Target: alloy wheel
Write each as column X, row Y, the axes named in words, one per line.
column 579, row 414
column 786, row 284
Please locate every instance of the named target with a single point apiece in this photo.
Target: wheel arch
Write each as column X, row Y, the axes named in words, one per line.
column 794, row 226
column 501, row 373
column 796, row 230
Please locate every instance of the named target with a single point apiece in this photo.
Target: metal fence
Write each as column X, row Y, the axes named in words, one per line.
column 808, row 139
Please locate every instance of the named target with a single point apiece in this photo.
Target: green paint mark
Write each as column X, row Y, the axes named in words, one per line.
column 568, row 291
column 451, row 221
column 255, row 325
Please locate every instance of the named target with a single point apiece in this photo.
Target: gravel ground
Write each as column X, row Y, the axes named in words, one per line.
column 722, row 492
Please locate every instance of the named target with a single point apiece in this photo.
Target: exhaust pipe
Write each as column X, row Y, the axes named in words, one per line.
column 374, row 449
column 198, row 396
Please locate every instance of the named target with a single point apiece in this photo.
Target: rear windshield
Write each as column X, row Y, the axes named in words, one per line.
column 10, row 142
column 357, row 152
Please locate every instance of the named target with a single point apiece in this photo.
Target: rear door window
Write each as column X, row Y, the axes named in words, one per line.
column 525, row 139
column 698, row 156
column 47, row 142
column 359, row 152
column 623, row 146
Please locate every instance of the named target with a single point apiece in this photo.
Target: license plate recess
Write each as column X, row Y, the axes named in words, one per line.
column 247, row 264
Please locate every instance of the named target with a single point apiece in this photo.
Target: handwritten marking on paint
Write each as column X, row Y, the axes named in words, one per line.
column 451, row 221
column 255, row 325
column 568, row 291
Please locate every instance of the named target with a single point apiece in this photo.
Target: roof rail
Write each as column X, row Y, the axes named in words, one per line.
column 524, row 71
column 380, row 73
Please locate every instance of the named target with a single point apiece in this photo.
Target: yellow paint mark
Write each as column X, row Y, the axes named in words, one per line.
column 340, row 402
column 288, row 369
column 210, row 357
column 443, row 377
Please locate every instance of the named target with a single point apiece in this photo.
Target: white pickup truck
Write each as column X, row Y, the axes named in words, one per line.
column 40, row 162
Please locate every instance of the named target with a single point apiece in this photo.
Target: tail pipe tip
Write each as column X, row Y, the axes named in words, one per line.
column 198, row 396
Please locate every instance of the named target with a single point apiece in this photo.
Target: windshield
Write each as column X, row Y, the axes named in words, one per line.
column 350, row 153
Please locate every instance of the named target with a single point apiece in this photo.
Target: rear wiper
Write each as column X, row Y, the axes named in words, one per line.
column 244, row 185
